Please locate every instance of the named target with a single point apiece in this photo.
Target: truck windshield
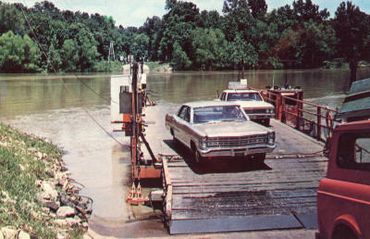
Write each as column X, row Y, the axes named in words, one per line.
column 250, row 96
column 218, row 113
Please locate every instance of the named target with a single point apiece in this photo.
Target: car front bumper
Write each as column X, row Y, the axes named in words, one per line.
column 261, row 116
column 236, row 151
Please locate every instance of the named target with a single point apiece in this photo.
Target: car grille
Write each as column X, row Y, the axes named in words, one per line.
column 255, row 111
column 236, row 141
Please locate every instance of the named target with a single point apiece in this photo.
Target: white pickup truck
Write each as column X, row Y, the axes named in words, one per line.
column 252, row 103
column 219, row 129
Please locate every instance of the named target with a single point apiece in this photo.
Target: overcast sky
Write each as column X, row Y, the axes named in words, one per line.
column 134, row 13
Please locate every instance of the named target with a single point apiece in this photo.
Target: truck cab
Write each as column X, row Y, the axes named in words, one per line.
column 252, row 103
column 343, row 197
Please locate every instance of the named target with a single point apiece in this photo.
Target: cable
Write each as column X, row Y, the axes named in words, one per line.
column 46, row 56
column 64, row 84
column 92, row 90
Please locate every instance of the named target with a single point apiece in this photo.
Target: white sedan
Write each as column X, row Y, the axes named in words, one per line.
column 219, row 129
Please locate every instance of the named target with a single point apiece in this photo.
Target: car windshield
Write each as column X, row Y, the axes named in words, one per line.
column 250, row 96
column 218, row 113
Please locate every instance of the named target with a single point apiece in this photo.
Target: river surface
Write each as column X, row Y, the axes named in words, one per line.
column 73, row 111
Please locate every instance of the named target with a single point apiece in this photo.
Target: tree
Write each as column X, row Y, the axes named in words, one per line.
column 69, row 55
column 242, row 53
column 238, row 19
column 18, row 54
column 139, row 46
column 305, row 10
column 179, row 58
column 54, row 60
column 32, row 55
column 152, row 28
column 316, row 43
column 178, row 23
column 209, row 45
column 352, row 31
column 210, row 19
column 11, row 19
column 258, row 8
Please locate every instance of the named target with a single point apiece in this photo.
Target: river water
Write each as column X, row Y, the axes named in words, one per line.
column 73, row 111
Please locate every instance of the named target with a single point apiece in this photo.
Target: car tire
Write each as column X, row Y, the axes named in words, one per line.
column 197, row 157
column 174, row 139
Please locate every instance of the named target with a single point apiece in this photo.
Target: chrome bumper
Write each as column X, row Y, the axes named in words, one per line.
column 236, row 151
column 261, row 116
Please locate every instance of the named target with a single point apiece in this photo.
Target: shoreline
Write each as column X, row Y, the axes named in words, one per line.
column 38, row 197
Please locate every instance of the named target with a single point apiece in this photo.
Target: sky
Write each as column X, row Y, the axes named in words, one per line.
column 134, row 13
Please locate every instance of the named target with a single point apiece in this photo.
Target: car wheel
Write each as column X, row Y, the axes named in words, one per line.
column 197, row 157
column 174, row 139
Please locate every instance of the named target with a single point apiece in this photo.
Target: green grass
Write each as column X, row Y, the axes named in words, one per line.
column 20, row 168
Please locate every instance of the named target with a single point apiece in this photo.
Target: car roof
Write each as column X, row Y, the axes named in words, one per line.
column 209, row 103
column 240, row 91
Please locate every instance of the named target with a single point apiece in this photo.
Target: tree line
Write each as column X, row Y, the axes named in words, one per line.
column 243, row 35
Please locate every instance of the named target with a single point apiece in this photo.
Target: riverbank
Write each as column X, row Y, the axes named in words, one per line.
column 37, row 196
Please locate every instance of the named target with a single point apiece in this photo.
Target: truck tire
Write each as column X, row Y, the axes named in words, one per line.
column 343, row 232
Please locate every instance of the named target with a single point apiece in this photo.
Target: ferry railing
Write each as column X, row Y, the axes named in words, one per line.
column 312, row 119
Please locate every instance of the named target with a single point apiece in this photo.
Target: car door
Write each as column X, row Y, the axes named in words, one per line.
column 187, row 128
column 179, row 130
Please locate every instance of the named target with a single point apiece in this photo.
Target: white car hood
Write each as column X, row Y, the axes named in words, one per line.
column 230, row 129
column 255, row 104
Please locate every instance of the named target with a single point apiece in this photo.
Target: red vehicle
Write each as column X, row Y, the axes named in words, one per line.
column 344, row 194
column 343, row 198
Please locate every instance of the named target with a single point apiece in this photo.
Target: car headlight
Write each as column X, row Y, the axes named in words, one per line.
column 203, row 143
column 271, row 138
column 270, row 111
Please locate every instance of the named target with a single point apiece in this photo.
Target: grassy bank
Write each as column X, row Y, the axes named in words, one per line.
column 25, row 162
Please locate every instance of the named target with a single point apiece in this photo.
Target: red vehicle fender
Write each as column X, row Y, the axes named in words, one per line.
column 348, row 221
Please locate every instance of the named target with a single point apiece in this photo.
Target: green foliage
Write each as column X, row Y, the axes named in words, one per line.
column 242, row 53
column 209, row 45
column 69, row 55
column 179, row 58
column 352, row 30
column 18, row 54
column 11, row 19
column 258, row 8
column 139, row 46
column 299, row 35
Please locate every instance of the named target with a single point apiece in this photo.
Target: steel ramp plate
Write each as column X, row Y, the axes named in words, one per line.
column 309, row 221
column 234, row 224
